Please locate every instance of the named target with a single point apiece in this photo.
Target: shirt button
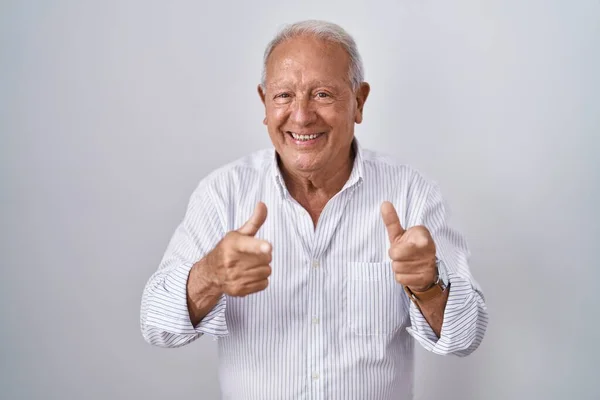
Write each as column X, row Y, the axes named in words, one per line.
column 315, row 264
column 315, row 376
column 315, row 320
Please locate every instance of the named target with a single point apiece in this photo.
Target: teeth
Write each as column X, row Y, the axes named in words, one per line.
column 304, row 137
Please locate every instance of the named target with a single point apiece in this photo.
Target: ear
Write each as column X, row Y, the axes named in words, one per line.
column 261, row 94
column 361, row 97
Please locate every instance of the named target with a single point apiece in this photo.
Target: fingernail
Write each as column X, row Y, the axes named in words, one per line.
column 265, row 248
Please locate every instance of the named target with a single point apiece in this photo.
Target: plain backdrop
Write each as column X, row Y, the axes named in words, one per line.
column 112, row 111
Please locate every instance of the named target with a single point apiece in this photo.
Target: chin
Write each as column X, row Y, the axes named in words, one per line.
column 306, row 162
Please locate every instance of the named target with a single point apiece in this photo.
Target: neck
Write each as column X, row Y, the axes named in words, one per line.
column 323, row 184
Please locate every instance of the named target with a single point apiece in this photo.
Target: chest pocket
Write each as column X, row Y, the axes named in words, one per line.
column 376, row 303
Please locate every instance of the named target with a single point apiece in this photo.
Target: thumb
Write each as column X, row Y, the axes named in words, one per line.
column 256, row 220
column 391, row 221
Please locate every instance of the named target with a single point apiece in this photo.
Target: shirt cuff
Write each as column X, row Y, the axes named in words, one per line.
column 172, row 309
column 214, row 322
column 456, row 311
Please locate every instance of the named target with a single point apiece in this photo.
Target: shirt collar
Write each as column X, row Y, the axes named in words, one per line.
column 356, row 176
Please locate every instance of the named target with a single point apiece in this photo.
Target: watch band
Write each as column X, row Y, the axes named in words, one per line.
column 426, row 295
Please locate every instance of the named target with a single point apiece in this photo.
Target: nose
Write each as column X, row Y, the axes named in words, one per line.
column 303, row 112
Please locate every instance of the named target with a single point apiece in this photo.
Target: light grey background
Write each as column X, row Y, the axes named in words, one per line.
column 112, row 111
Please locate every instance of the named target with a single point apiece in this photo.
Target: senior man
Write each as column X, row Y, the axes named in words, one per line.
column 317, row 263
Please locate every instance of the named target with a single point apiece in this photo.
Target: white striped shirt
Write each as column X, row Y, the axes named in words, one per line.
column 333, row 322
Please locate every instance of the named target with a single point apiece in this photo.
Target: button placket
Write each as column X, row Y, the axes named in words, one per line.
column 316, row 342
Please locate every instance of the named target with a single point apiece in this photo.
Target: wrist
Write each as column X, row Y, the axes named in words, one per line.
column 203, row 281
column 421, row 289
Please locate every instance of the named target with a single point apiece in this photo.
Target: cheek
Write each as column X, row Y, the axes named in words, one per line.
column 275, row 120
column 338, row 121
column 340, row 116
column 276, row 115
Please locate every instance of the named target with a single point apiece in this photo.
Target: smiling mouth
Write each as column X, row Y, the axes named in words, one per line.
column 304, row 138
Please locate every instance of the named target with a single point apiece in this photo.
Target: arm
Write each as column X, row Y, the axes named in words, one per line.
column 165, row 318
column 456, row 323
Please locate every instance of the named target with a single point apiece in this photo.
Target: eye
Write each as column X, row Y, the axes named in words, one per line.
column 283, row 96
column 322, row 95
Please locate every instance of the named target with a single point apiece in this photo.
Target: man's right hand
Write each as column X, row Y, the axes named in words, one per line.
column 240, row 262
column 237, row 266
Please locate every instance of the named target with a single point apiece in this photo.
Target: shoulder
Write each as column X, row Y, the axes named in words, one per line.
column 236, row 174
column 254, row 163
column 381, row 165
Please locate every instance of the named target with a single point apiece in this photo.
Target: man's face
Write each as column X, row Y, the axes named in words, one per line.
column 309, row 103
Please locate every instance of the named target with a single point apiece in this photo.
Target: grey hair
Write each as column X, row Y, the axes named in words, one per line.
column 325, row 31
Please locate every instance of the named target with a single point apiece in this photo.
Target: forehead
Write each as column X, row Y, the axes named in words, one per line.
column 308, row 59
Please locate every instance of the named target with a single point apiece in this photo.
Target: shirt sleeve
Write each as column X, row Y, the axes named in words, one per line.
column 164, row 318
column 465, row 315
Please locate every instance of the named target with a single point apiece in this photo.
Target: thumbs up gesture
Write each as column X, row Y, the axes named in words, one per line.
column 412, row 251
column 240, row 261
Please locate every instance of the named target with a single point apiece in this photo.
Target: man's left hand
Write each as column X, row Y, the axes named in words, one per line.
column 412, row 251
